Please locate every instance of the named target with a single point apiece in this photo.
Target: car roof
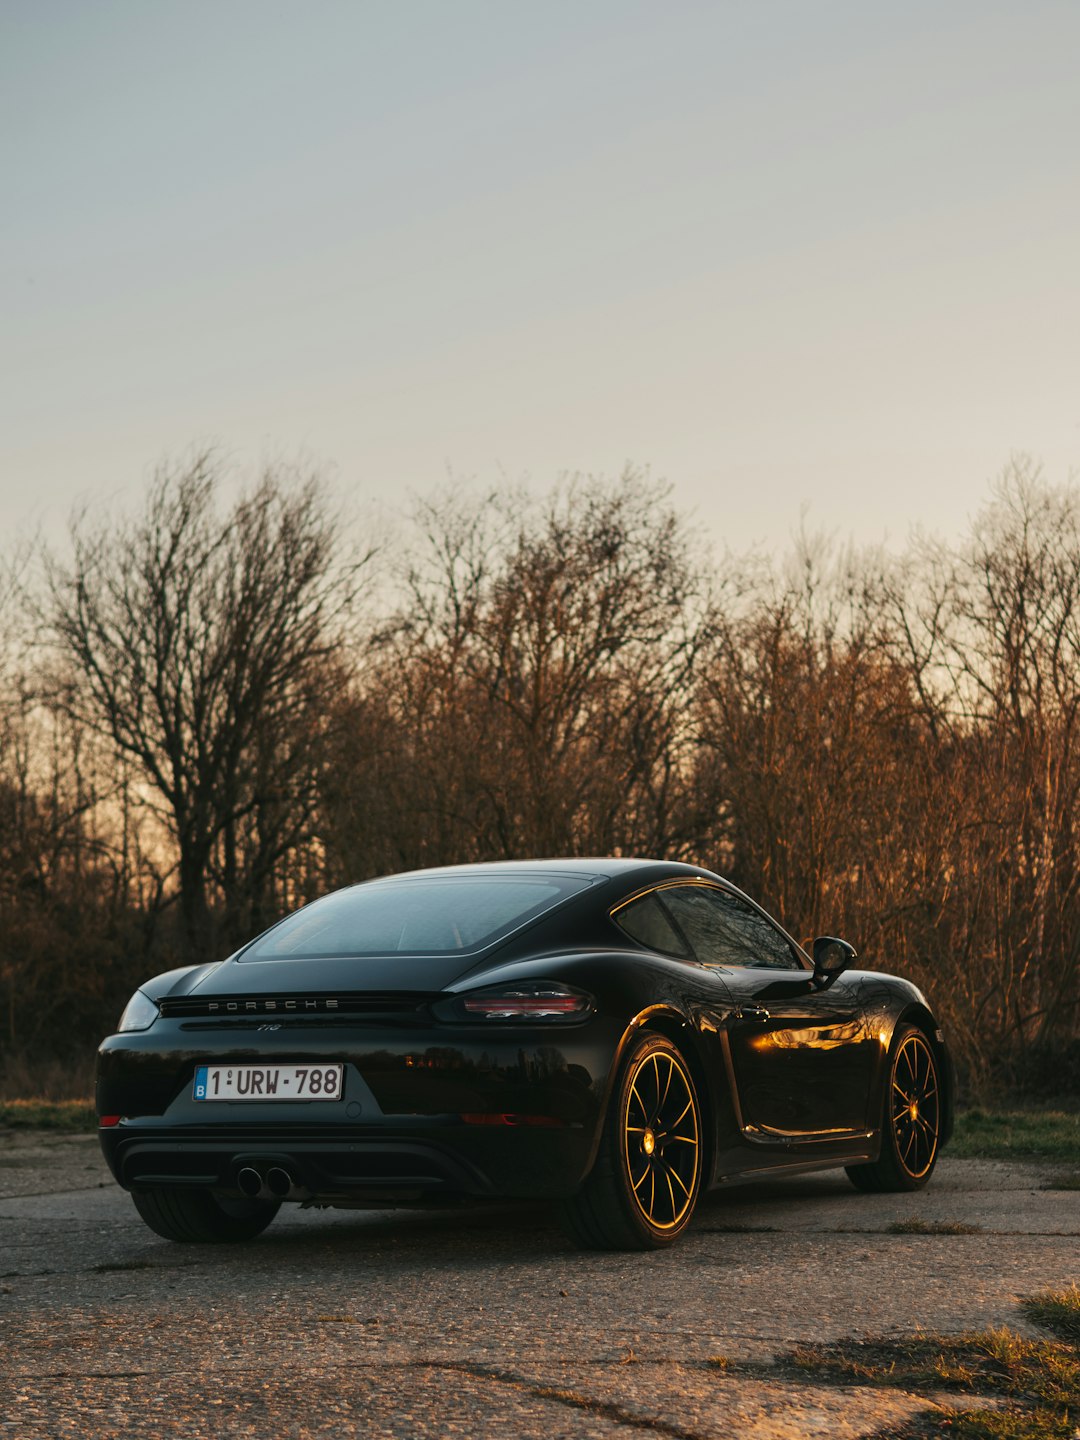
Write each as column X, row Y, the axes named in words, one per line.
column 606, row 867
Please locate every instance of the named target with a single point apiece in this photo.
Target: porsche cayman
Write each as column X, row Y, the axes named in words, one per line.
column 615, row 1035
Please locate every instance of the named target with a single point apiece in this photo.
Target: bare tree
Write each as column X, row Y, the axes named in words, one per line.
column 1015, row 653
column 532, row 682
column 201, row 644
column 801, row 720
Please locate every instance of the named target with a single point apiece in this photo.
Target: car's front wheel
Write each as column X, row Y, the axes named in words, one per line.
column 199, row 1217
column 645, row 1183
column 911, row 1119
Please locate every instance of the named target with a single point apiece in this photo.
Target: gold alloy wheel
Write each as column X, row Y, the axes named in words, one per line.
column 915, row 1106
column 660, row 1139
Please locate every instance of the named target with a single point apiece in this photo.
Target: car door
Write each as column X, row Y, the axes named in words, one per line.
column 801, row 1055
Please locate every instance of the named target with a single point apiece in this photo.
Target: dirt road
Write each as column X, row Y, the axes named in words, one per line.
column 488, row 1323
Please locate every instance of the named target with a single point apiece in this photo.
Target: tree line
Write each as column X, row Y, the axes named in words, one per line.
column 222, row 704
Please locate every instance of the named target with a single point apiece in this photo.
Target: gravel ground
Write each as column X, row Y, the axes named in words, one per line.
column 486, row 1322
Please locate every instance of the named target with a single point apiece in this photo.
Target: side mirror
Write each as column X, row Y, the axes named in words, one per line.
column 831, row 958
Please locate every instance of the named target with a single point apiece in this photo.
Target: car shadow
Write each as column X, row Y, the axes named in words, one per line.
column 479, row 1235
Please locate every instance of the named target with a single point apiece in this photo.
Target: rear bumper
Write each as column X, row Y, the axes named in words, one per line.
column 422, row 1115
column 392, row 1164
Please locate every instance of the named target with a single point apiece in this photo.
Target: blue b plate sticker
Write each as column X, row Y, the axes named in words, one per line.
column 200, row 1082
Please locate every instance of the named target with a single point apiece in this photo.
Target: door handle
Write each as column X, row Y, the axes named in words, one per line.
column 751, row 1012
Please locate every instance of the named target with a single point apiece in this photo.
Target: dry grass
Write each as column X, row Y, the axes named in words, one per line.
column 1036, row 1424
column 24, row 1079
column 1028, row 1134
column 1057, row 1311
column 987, row 1362
column 68, row 1115
column 1036, row 1382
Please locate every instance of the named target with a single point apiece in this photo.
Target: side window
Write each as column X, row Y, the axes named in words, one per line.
column 644, row 920
column 725, row 931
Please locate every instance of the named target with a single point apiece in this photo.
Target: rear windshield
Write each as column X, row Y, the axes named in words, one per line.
column 437, row 916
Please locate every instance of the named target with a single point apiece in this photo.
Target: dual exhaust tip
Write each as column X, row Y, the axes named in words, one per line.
column 277, row 1181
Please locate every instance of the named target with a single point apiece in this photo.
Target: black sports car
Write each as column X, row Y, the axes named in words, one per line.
column 614, row 1034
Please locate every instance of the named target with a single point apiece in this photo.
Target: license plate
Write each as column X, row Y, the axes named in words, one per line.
column 268, row 1082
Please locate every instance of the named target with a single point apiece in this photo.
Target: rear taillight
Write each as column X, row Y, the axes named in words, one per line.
column 107, row 1122
column 508, row 1007
column 545, row 1002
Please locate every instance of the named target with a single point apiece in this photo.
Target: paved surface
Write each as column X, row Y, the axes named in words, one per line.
column 488, row 1323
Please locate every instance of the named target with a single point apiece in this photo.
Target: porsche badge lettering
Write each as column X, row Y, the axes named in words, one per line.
column 263, row 1007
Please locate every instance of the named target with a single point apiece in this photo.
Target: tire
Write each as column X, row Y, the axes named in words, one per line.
column 644, row 1186
column 911, row 1119
column 199, row 1217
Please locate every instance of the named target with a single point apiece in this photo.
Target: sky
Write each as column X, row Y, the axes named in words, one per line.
column 790, row 256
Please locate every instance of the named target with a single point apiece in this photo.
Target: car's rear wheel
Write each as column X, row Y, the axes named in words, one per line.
column 199, row 1217
column 644, row 1186
column 911, row 1119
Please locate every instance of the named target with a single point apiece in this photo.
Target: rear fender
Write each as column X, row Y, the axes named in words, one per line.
column 680, row 1030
